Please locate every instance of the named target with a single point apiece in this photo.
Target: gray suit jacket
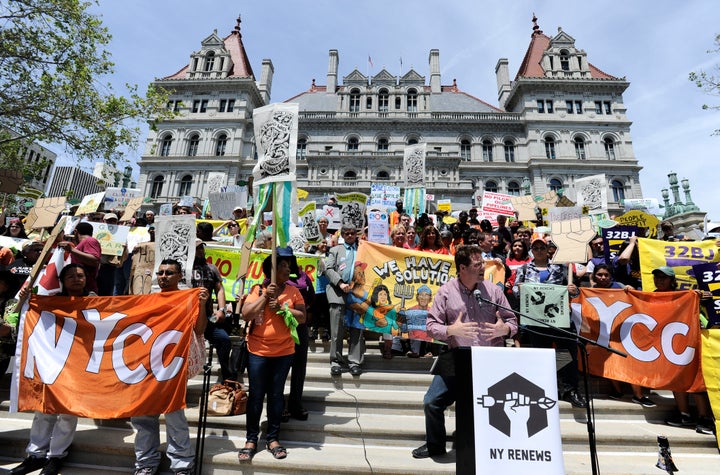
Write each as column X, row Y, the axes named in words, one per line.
column 334, row 268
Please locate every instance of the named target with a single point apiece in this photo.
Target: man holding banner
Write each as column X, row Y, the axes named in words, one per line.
column 459, row 317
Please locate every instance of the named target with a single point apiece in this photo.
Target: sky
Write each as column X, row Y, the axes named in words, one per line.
column 655, row 44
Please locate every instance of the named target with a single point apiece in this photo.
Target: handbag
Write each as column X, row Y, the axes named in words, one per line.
column 239, row 352
column 227, row 399
column 196, row 355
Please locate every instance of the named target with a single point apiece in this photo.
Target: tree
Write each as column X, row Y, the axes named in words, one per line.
column 52, row 64
column 709, row 83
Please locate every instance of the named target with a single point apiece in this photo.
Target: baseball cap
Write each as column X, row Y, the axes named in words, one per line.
column 668, row 271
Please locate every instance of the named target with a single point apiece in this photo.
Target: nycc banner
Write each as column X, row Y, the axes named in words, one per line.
column 129, row 353
column 681, row 256
column 660, row 332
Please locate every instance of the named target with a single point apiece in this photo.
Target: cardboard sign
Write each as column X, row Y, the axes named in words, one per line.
column 45, row 212
column 131, row 208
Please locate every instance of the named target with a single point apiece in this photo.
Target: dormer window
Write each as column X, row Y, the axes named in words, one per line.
column 210, row 61
column 564, row 60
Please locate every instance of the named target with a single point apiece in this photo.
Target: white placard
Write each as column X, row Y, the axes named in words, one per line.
column 378, row 226
column 497, row 203
column 223, row 204
column 517, row 420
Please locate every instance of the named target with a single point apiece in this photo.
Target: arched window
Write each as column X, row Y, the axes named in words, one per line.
column 353, row 144
column 618, row 190
column 609, row 148
column 157, row 186
column 301, row 152
column 210, row 61
column 509, row 148
column 580, row 148
column 193, row 145
column 350, row 175
column 383, row 100
column 465, row 150
column 555, row 185
column 564, row 60
column 220, row 145
column 487, row 148
column 412, row 141
column 185, row 185
column 550, row 148
column 513, row 188
column 491, row 186
column 383, row 175
column 383, row 145
column 355, row 100
column 165, row 145
column 412, row 97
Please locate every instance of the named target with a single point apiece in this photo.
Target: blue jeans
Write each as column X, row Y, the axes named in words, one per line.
column 299, row 370
column 219, row 338
column 266, row 375
column 439, row 396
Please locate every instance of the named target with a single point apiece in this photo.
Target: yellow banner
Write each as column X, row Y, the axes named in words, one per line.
column 681, row 256
column 711, row 369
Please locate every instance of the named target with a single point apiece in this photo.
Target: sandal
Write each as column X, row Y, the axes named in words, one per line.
column 246, row 454
column 278, row 452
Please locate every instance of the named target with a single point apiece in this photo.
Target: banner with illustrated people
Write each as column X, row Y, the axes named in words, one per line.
column 129, row 353
column 660, row 332
column 392, row 289
column 680, row 255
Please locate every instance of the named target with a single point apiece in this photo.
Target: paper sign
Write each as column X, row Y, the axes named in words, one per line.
column 90, row 203
column 384, row 196
column 545, row 302
column 497, row 203
column 165, row 209
column 223, row 204
column 112, row 238
column 444, row 205
column 378, row 226
column 120, row 197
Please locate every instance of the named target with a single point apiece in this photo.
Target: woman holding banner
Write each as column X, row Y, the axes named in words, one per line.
column 52, row 434
column 271, row 349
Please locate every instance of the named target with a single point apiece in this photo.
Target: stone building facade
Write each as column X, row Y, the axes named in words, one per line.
column 559, row 119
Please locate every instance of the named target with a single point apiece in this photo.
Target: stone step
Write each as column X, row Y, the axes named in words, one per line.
column 100, row 450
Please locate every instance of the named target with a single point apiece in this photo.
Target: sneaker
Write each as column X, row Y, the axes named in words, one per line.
column 680, row 419
column 615, row 395
column 705, row 425
column 575, row 399
column 355, row 370
column 52, row 467
column 146, row 471
column 335, row 370
column 186, row 471
column 644, row 401
column 30, row 464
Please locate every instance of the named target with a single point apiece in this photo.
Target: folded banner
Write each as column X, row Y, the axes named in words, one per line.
column 128, row 354
column 392, row 288
column 660, row 332
column 681, row 256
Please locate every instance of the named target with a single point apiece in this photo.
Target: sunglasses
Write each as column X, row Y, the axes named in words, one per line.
column 165, row 272
column 233, row 225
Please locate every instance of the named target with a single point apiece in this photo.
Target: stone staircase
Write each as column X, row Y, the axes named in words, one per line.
column 370, row 424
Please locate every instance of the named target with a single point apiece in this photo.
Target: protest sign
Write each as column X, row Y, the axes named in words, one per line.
column 613, row 239
column 90, row 203
column 681, row 256
column 310, row 229
column 112, row 238
column 384, row 196
column 708, row 278
column 223, row 204
column 641, row 220
column 45, row 212
column 497, row 203
column 175, row 238
column 353, row 208
column 119, row 197
column 592, row 193
column 131, row 208
column 378, row 226
column 545, row 302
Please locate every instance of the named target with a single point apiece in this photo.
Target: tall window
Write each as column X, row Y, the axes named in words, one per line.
column 569, row 106
column 513, row 188
column 203, row 105
column 301, row 152
column 578, row 107
column 368, row 103
column 412, row 98
column 465, row 150
column 193, row 145
column 487, row 147
column 550, row 148
column 383, row 145
column 383, row 100
column 355, row 100
column 196, row 106
column 580, row 148
column 555, row 185
column 165, row 145
column 157, row 186
column 220, row 145
column 609, row 148
column 491, row 186
column 618, row 190
column 509, row 148
column 598, row 107
column 210, row 61
column 353, row 144
column 549, row 106
column 541, row 106
column 608, row 107
column 185, row 185
column 564, row 60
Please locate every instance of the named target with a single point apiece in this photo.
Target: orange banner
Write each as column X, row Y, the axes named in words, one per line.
column 107, row 357
column 660, row 332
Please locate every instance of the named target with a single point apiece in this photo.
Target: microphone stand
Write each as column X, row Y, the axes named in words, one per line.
column 582, row 341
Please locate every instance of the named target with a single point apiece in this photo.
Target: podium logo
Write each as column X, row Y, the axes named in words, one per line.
column 514, row 403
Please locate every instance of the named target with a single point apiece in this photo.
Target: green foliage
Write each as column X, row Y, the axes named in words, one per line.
column 53, row 62
column 709, row 82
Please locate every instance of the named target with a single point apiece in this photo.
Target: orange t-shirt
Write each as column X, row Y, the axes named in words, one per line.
column 272, row 337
